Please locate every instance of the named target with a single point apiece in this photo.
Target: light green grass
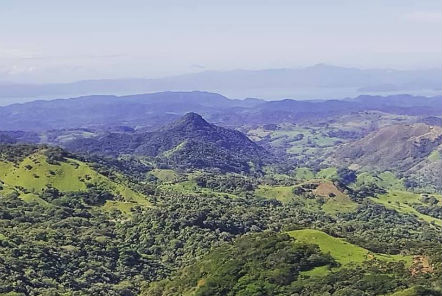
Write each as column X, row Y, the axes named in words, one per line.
column 319, row 271
column 345, row 253
column 435, row 156
column 34, row 174
column 342, row 251
column 390, row 181
column 386, row 180
column 164, row 175
column 304, row 174
column 406, row 292
column 328, row 173
column 122, row 206
column 281, row 193
column 335, row 200
column 402, row 202
column 339, row 204
column 174, row 150
column 30, row 197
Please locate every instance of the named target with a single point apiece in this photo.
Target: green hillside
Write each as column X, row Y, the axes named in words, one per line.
column 411, row 203
column 314, row 263
column 347, row 254
column 30, row 176
column 313, row 194
column 386, row 180
column 257, row 264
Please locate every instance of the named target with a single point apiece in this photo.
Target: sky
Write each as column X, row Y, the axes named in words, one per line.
column 59, row 41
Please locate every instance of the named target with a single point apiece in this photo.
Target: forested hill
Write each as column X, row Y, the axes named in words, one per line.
column 190, row 142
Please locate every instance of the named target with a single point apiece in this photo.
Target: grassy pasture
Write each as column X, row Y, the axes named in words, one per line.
column 347, row 254
column 34, row 174
column 402, row 202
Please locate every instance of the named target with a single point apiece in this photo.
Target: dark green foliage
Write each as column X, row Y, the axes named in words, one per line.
column 16, row 153
column 71, row 246
column 353, row 282
column 375, row 228
column 195, row 224
column 55, row 154
column 430, row 210
column 94, row 196
column 346, row 176
column 259, row 264
column 60, row 249
column 226, row 183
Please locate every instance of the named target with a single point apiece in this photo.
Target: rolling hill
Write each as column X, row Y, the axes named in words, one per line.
column 30, row 171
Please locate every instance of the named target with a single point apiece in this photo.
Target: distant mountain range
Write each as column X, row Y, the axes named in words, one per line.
column 150, row 111
column 319, row 81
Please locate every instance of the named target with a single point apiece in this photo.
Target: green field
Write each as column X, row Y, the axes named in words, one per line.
column 345, row 253
column 340, row 203
column 164, row 175
column 328, row 173
column 386, row 180
column 414, row 291
column 304, row 174
column 281, row 193
column 435, row 156
column 402, row 202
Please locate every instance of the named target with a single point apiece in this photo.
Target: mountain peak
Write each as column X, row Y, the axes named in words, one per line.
column 192, row 116
column 190, row 120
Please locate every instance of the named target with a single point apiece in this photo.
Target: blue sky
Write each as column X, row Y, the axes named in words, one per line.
column 53, row 40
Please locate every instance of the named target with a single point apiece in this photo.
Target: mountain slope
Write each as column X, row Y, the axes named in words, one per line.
column 428, row 173
column 190, row 142
column 397, row 147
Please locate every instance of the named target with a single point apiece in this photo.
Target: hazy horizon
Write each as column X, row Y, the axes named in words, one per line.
column 52, row 41
column 204, row 71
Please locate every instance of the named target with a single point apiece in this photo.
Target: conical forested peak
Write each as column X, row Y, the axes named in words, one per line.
column 190, row 120
column 193, row 117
